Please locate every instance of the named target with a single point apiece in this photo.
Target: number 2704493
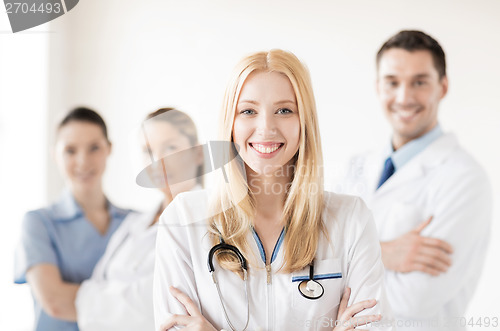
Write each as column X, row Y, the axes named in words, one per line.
column 25, row 8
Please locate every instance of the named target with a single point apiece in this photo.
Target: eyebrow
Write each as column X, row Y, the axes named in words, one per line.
column 422, row 76
column 248, row 101
column 163, row 143
column 415, row 76
column 276, row 103
column 285, row 101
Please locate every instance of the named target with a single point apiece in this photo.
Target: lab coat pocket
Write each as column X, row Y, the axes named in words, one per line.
column 329, row 274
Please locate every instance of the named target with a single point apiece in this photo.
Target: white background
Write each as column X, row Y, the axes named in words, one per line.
column 126, row 58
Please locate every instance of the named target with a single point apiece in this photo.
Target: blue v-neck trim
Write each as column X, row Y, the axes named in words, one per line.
column 261, row 247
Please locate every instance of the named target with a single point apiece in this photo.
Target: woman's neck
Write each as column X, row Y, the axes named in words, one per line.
column 169, row 195
column 95, row 208
column 269, row 192
column 91, row 200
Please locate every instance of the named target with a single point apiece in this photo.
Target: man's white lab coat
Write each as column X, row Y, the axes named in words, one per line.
column 445, row 182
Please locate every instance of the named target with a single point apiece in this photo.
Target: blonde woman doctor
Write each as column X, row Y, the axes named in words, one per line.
column 303, row 248
column 118, row 296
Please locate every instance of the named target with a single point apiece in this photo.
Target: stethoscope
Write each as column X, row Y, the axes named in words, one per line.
column 243, row 263
column 310, row 288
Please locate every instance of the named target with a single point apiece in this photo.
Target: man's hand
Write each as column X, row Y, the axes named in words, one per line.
column 413, row 252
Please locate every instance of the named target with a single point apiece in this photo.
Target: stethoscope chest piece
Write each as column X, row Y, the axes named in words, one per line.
column 311, row 289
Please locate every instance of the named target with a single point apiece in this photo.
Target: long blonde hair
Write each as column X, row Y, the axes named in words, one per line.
column 234, row 205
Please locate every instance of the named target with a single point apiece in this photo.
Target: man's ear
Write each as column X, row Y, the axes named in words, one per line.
column 444, row 86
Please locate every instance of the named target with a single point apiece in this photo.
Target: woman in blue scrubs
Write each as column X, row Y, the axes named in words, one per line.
column 61, row 243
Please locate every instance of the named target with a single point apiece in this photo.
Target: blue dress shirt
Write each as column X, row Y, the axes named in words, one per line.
column 406, row 152
column 61, row 235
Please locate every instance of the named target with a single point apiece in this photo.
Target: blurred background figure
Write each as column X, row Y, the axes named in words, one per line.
column 61, row 244
column 431, row 200
column 118, row 296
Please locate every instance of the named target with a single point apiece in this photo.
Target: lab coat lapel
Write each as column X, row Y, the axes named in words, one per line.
column 432, row 156
column 140, row 221
column 411, row 170
column 373, row 167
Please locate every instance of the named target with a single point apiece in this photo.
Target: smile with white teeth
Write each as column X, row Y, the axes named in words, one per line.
column 266, row 149
column 407, row 110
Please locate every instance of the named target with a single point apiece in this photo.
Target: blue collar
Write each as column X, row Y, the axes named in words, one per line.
column 261, row 246
column 406, row 152
column 67, row 208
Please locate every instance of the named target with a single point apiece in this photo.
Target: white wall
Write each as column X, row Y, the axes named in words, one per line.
column 126, row 58
column 23, row 157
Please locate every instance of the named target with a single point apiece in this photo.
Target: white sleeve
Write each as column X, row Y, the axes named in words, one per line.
column 112, row 304
column 173, row 266
column 115, row 305
column 365, row 274
column 462, row 217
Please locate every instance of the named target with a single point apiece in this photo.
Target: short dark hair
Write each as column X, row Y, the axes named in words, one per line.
column 413, row 40
column 83, row 114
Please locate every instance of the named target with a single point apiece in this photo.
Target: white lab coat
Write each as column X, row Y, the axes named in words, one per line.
column 445, row 182
column 181, row 261
column 119, row 294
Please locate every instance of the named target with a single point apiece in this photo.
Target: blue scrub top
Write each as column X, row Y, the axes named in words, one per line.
column 61, row 235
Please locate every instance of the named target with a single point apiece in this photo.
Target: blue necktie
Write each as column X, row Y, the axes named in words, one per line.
column 388, row 171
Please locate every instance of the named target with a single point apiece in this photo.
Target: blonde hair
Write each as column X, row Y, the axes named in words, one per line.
column 234, row 204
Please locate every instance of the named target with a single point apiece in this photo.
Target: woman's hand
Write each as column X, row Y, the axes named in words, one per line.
column 194, row 321
column 345, row 316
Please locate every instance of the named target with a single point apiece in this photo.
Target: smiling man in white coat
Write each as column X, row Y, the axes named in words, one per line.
column 431, row 200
